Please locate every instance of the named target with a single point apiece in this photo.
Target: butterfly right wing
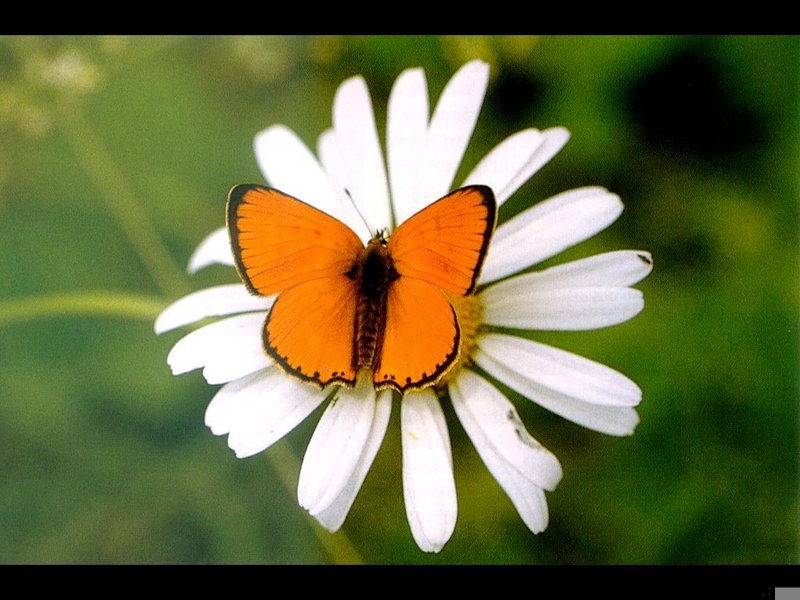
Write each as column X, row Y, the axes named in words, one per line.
column 446, row 242
column 283, row 245
column 437, row 252
column 421, row 337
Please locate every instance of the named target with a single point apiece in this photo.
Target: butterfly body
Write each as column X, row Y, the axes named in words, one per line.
column 342, row 306
column 373, row 273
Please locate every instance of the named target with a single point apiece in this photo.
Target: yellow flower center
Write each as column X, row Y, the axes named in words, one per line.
column 468, row 311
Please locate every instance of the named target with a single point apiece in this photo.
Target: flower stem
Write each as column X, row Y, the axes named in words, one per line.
column 101, row 304
column 337, row 545
column 121, row 202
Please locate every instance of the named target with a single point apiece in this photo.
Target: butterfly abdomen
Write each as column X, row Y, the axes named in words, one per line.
column 373, row 273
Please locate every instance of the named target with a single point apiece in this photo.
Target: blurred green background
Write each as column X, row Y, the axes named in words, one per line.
column 116, row 155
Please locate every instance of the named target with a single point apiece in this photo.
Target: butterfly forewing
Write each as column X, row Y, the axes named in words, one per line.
column 421, row 336
column 279, row 241
column 283, row 245
column 445, row 243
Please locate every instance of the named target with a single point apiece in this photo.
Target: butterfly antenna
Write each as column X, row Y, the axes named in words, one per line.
column 360, row 214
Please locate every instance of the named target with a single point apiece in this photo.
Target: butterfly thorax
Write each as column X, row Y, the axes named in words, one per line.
column 373, row 272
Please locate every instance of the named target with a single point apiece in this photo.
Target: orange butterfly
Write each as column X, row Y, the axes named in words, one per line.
column 343, row 307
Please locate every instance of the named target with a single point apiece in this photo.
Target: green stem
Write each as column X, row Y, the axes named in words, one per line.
column 337, row 545
column 94, row 304
column 120, row 200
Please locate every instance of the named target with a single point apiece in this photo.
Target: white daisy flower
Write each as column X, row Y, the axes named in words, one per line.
column 259, row 403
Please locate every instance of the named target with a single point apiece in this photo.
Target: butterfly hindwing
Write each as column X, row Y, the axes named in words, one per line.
column 421, row 337
column 446, row 242
column 310, row 333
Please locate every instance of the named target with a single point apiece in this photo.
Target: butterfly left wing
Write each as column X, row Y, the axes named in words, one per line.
column 438, row 251
column 283, row 245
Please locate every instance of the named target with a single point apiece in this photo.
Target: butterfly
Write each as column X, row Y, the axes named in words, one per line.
column 343, row 306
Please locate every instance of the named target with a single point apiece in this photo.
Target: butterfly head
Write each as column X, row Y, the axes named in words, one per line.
column 381, row 236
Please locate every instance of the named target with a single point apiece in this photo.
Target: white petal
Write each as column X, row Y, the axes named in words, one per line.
column 501, row 166
column 532, row 504
column 406, row 135
column 611, row 269
column 291, row 167
column 336, row 447
column 330, row 153
column 227, row 349
column 548, row 228
column 429, row 489
column 569, row 309
column 494, row 426
column 518, row 462
column 332, row 517
column 214, row 249
column 215, row 301
column 450, row 129
column 562, row 371
column 511, row 163
column 357, row 135
column 258, row 410
column 586, row 400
